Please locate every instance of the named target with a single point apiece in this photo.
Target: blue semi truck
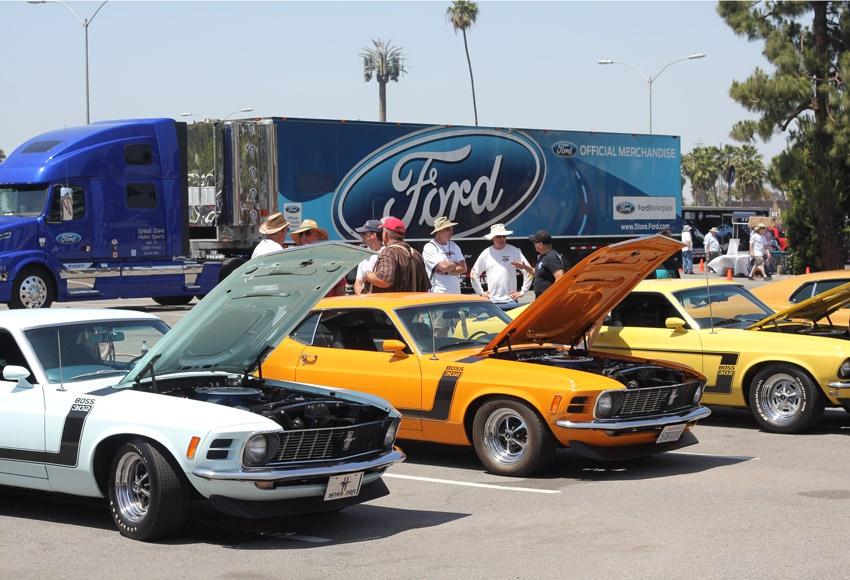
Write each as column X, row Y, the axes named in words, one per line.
column 158, row 208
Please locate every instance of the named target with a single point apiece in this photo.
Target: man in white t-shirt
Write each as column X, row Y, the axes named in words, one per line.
column 498, row 264
column 274, row 232
column 370, row 233
column 758, row 245
column 444, row 262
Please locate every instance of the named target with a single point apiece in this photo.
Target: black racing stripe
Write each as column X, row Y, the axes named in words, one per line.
column 442, row 399
column 472, row 359
column 107, row 391
column 68, row 453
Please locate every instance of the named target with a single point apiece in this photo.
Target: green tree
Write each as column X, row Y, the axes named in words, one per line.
column 750, row 173
column 804, row 96
column 386, row 63
column 701, row 167
column 462, row 14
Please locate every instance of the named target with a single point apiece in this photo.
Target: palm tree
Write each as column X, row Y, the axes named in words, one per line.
column 386, row 63
column 462, row 15
column 750, row 173
column 701, row 168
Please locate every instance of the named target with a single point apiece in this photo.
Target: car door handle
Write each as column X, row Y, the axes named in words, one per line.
column 309, row 359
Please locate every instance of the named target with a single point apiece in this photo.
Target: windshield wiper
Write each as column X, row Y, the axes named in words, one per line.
column 458, row 343
column 149, row 367
column 97, row 373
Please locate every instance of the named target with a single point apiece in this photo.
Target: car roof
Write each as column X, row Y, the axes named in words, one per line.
column 396, row 300
column 676, row 284
column 38, row 317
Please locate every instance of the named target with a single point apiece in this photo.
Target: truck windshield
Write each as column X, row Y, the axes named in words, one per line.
column 23, row 200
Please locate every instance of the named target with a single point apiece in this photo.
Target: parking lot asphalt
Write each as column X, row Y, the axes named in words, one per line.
column 741, row 503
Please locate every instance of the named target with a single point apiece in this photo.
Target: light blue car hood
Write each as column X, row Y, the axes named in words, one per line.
column 245, row 317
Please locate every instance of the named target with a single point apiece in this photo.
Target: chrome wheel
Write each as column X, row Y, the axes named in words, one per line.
column 506, row 436
column 781, row 398
column 33, row 292
column 132, row 487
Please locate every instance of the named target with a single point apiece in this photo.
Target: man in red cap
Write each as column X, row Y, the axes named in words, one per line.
column 399, row 268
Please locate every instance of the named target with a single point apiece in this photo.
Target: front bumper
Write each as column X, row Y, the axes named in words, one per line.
column 839, row 385
column 623, row 452
column 643, row 423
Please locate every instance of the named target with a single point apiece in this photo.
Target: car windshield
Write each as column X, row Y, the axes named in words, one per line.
column 22, row 200
column 444, row 327
column 91, row 350
column 729, row 306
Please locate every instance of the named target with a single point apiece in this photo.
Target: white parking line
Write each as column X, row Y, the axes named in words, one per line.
column 469, row 484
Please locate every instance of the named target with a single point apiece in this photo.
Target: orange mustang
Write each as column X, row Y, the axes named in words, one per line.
column 517, row 393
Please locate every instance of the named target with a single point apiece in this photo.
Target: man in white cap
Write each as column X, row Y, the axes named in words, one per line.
column 687, row 251
column 498, row 264
column 274, row 232
column 444, row 262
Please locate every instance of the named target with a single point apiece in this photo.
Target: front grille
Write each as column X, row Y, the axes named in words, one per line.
column 330, row 443
column 656, row 400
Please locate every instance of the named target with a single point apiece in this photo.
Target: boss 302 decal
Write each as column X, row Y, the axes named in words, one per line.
column 442, row 399
column 69, row 446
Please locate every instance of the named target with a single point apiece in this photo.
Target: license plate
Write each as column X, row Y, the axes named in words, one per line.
column 341, row 486
column 671, row 433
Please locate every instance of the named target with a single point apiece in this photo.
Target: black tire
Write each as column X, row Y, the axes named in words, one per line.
column 784, row 399
column 510, row 439
column 228, row 266
column 156, row 506
column 173, row 300
column 33, row 288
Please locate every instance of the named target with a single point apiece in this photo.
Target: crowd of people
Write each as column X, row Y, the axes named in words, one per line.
column 763, row 241
column 439, row 267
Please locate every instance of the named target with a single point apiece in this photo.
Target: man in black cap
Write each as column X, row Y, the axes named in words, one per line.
column 370, row 233
column 549, row 267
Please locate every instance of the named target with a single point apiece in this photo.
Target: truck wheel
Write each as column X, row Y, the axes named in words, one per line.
column 172, row 300
column 147, row 497
column 784, row 399
column 228, row 266
column 33, row 288
column 510, row 439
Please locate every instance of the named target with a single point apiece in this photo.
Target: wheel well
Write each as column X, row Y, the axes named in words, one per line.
column 472, row 409
column 45, row 271
column 106, row 450
column 755, row 369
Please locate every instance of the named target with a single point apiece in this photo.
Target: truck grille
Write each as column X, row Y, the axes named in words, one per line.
column 656, row 400
column 330, row 443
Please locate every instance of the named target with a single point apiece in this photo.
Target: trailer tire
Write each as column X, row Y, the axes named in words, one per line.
column 228, row 266
column 33, row 288
column 173, row 300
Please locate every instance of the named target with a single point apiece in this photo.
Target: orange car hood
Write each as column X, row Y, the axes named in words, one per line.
column 814, row 309
column 586, row 293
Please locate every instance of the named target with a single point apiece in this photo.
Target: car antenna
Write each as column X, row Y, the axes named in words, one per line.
column 59, row 346
column 710, row 308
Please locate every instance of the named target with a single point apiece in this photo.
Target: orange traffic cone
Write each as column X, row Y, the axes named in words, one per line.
column 728, row 273
column 701, row 265
column 808, row 270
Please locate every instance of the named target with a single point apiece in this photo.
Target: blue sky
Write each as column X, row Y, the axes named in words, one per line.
column 534, row 64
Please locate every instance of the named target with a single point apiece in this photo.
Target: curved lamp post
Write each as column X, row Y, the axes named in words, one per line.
column 651, row 79
column 85, row 23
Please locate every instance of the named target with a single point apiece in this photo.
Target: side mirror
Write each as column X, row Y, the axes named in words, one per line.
column 16, row 373
column 66, row 197
column 396, row 347
column 675, row 324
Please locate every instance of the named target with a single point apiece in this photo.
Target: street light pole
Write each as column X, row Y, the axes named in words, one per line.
column 651, row 79
column 242, row 110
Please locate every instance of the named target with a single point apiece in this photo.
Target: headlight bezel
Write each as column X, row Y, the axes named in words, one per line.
column 844, row 369
column 698, row 392
column 255, row 458
column 391, row 434
column 614, row 399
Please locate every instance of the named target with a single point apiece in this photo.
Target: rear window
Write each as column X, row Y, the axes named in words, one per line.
column 41, row 146
column 138, row 154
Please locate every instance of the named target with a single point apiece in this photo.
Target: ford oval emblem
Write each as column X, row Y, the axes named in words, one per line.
column 292, row 209
column 625, row 207
column 475, row 177
column 68, row 238
column 565, row 149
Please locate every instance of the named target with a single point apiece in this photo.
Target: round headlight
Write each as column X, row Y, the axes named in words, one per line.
column 389, row 438
column 256, row 450
column 604, row 405
column 844, row 370
column 697, row 395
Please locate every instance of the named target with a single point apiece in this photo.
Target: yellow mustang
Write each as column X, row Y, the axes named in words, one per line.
column 516, row 393
column 792, row 290
column 784, row 366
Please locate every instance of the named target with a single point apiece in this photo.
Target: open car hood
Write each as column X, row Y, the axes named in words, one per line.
column 244, row 318
column 813, row 309
column 586, row 293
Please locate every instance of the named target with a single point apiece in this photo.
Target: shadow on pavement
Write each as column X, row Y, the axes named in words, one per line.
column 833, row 421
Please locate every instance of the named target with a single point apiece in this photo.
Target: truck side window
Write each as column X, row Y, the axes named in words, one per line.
column 60, row 210
column 138, row 154
column 141, row 195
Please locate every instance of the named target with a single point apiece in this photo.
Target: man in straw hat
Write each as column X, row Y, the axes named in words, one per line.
column 308, row 232
column 498, row 264
column 399, row 268
column 274, row 232
column 711, row 245
column 444, row 262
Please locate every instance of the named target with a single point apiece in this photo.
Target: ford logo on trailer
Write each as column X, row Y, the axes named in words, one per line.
column 625, row 207
column 475, row 177
column 565, row 149
column 68, row 238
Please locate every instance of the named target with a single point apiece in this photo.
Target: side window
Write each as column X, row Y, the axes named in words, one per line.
column 825, row 285
column 804, row 292
column 141, row 195
column 643, row 310
column 306, row 331
column 355, row 329
column 10, row 354
column 138, row 154
column 64, row 208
